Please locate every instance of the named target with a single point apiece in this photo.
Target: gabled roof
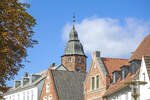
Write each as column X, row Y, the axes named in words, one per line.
column 28, row 85
column 113, row 64
column 147, row 62
column 142, row 50
column 69, row 85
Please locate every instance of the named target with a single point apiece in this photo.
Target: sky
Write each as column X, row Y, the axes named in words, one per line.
column 113, row 27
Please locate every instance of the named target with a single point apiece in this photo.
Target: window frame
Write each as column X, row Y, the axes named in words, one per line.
column 97, row 81
column 92, row 83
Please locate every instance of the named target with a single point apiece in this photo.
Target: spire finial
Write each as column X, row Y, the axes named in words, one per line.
column 73, row 19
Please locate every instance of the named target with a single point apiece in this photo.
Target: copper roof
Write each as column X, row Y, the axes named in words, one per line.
column 142, row 50
column 74, row 46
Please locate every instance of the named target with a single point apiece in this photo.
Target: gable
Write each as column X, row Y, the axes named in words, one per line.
column 52, row 90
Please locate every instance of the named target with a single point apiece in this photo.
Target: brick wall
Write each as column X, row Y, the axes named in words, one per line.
column 97, row 93
column 52, row 92
column 71, row 66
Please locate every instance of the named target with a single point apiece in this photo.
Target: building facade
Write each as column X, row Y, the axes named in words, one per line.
column 28, row 88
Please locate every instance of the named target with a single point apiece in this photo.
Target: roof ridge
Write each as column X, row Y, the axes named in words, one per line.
column 114, row 58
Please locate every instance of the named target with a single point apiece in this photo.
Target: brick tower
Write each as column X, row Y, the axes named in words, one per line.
column 74, row 58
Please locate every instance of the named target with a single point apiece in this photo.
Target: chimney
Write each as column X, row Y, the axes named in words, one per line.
column 17, row 83
column 96, row 54
column 52, row 65
column 26, row 74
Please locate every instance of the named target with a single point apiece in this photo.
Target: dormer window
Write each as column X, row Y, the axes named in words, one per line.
column 70, row 59
column 123, row 75
column 116, row 75
column 124, row 71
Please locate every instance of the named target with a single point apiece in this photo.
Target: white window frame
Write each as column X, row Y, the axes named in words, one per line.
column 47, row 87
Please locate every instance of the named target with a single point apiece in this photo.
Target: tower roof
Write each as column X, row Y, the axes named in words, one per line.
column 142, row 50
column 74, row 47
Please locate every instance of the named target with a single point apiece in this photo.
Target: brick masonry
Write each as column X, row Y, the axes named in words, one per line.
column 52, row 92
column 71, row 66
column 97, row 93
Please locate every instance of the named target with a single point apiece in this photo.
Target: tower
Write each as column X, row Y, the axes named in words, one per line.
column 74, row 58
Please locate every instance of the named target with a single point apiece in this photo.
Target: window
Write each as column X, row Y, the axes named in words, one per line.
column 70, row 59
column 123, row 74
column 79, row 60
column 18, row 96
column 28, row 95
column 94, row 65
column 78, row 69
column 31, row 94
column 13, row 97
column 93, row 83
column 126, row 96
column 45, row 98
column 23, row 95
column 50, row 98
column 47, row 87
column 10, row 97
column 97, row 81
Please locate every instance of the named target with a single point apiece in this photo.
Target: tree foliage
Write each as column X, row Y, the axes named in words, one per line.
column 16, row 35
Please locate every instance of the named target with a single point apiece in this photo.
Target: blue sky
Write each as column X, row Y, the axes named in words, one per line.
column 115, row 27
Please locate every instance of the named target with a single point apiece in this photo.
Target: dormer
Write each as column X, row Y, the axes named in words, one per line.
column 134, row 65
column 24, row 81
column 17, row 83
column 124, row 71
column 34, row 77
column 116, row 75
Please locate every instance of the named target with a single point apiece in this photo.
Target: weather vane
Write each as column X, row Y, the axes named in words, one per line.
column 73, row 18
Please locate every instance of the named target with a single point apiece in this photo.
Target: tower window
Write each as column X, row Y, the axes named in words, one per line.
column 79, row 60
column 70, row 59
column 78, row 69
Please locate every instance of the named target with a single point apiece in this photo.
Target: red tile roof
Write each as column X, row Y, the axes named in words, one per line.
column 120, row 84
column 113, row 64
column 142, row 50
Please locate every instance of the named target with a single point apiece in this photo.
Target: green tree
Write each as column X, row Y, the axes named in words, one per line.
column 16, row 35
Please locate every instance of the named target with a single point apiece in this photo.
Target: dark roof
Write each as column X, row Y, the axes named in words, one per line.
column 142, row 50
column 147, row 62
column 69, row 85
column 74, row 47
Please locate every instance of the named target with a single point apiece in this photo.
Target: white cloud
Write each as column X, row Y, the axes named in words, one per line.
column 113, row 37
